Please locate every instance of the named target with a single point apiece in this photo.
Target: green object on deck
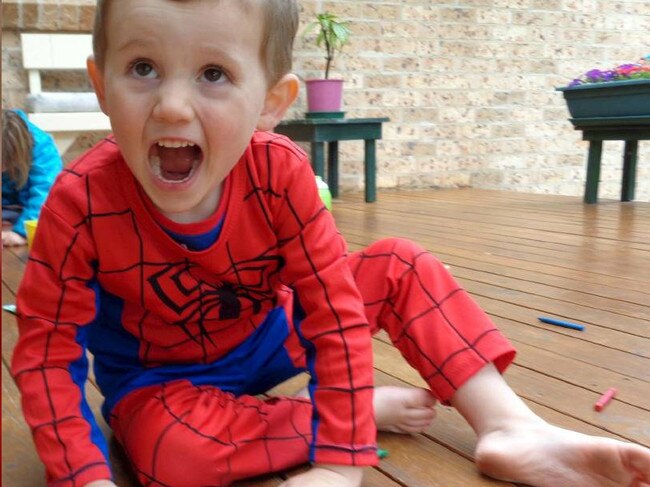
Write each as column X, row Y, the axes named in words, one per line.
column 324, row 192
column 381, row 453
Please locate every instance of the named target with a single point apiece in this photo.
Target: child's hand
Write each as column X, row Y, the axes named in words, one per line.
column 327, row 476
column 100, row 483
column 12, row 239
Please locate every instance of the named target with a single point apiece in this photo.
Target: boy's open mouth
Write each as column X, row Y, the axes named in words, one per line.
column 174, row 161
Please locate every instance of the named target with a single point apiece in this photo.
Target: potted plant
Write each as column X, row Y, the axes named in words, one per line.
column 324, row 96
column 622, row 92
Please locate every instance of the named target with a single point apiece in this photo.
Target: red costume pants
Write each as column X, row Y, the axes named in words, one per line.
column 181, row 435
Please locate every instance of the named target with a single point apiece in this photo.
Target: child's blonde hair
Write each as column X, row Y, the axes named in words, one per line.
column 17, row 143
column 280, row 27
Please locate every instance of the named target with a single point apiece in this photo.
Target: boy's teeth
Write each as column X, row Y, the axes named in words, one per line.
column 175, row 143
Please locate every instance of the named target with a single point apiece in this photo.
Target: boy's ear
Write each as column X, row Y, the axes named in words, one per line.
column 278, row 100
column 97, row 80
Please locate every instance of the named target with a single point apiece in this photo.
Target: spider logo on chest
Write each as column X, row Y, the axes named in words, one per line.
column 196, row 300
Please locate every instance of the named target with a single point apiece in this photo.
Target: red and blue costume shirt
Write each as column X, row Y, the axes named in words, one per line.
column 104, row 276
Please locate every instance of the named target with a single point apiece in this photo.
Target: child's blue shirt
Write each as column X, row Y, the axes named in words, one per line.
column 46, row 165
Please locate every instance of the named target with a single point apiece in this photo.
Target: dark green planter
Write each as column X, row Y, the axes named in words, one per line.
column 615, row 99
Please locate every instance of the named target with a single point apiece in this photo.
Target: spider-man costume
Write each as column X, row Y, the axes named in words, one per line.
column 184, row 339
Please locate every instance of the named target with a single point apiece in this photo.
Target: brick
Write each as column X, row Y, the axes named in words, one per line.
column 68, row 17
column 86, row 17
column 48, row 17
column 30, row 16
column 393, row 81
column 10, row 15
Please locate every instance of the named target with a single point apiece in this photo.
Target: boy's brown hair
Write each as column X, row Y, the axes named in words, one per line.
column 17, row 144
column 280, row 27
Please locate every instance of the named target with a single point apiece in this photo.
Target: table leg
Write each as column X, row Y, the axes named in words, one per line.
column 629, row 169
column 593, row 171
column 333, row 167
column 318, row 158
column 369, row 169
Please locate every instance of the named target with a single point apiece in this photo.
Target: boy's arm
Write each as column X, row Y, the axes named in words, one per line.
column 333, row 328
column 55, row 303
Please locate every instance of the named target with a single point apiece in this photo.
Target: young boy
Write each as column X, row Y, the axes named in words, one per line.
column 192, row 256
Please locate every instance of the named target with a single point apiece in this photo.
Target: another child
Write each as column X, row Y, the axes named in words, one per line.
column 192, row 256
column 30, row 164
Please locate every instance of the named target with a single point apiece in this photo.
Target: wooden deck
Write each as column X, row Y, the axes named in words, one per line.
column 521, row 256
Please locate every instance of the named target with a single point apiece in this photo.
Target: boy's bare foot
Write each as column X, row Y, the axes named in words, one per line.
column 543, row 455
column 403, row 409
column 400, row 409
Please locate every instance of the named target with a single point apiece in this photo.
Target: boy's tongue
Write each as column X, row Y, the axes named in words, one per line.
column 176, row 162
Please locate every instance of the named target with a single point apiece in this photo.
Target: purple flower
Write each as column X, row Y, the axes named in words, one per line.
column 594, row 75
column 626, row 71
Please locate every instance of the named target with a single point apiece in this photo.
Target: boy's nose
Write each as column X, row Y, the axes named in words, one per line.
column 173, row 104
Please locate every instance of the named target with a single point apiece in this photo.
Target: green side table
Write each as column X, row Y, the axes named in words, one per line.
column 597, row 130
column 318, row 131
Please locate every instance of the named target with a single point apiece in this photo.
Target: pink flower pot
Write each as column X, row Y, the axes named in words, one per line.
column 324, row 95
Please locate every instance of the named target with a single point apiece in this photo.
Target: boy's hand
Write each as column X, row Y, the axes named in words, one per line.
column 100, row 483
column 327, row 476
column 12, row 239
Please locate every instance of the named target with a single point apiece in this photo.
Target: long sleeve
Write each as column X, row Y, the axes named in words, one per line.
column 333, row 328
column 56, row 303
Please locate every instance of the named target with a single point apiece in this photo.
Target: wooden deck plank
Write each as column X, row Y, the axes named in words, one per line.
column 9, row 329
column 505, row 268
column 630, row 311
column 618, row 361
column 537, row 242
column 610, row 215
column 562, row 262
column 496, row 304
column 522, row 224
column 604, row 322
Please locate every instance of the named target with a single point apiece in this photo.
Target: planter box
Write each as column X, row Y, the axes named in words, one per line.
column 615, row 99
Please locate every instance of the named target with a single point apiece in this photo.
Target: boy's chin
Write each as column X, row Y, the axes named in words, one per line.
column 184, row 212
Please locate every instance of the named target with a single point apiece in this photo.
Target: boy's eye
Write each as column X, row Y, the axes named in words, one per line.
column 143, row 69
column 213, row 74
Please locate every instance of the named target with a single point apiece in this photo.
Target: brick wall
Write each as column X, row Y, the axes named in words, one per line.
column 468, row 84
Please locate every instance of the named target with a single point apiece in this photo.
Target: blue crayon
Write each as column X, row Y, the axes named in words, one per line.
column 564, row 324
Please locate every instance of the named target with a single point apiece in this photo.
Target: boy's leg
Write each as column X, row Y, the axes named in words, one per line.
column 180, row 434
column 434, row 323
column 456, row 348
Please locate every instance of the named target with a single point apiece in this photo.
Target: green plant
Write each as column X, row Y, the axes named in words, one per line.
column 332, row 33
